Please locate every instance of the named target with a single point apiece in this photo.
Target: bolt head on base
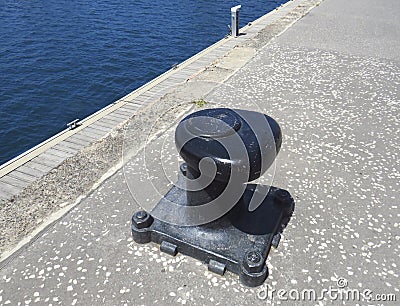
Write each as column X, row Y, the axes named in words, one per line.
column 253, row 262
column 254, row 270
column 142, row 219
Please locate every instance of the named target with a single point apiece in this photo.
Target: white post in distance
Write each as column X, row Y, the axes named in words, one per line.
column 235, row 20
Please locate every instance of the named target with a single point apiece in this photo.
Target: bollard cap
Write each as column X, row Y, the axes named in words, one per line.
column 236, row 8
column 235, row 139
column 215, row 123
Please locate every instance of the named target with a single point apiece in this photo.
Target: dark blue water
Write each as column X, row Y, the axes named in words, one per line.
column 65, row 59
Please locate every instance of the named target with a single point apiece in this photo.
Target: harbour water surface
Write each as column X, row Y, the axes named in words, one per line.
column 62, row 60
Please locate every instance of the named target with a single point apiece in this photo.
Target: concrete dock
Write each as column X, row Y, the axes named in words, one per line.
column 328, row 72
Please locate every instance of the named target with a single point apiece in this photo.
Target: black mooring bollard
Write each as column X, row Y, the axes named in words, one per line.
column 220, row 219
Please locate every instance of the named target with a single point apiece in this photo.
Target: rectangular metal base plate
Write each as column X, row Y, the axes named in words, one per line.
column 225, row 243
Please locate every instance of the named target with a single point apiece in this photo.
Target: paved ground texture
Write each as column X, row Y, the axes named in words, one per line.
column 332, row 82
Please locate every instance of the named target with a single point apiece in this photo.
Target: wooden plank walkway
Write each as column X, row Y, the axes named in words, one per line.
column 15, row 180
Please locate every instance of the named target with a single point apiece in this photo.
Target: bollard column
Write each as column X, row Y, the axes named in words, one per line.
column 235, row 20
